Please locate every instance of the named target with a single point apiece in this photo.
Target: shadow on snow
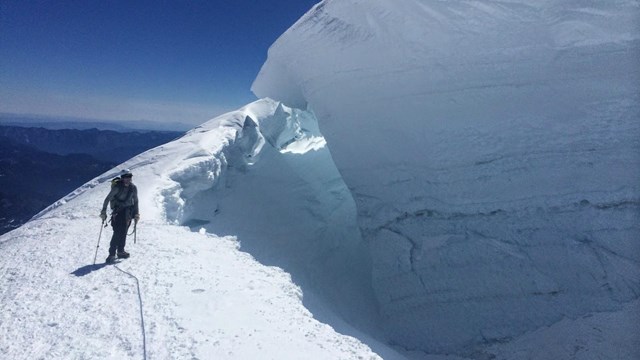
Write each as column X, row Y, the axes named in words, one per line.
column 87, row 269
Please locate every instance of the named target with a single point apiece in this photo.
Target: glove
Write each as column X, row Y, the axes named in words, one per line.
column 103, row 216
column 137, row 217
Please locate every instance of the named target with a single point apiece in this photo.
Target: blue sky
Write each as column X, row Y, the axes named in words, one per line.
column 181, row 60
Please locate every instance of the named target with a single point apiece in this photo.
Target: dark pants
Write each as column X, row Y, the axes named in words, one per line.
column 120, row 222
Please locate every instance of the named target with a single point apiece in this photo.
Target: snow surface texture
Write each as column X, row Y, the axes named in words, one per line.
column 493, row 151
column 202, row 298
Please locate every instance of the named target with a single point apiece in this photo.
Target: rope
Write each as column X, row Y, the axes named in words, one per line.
column 135, row 225
column 144, row 337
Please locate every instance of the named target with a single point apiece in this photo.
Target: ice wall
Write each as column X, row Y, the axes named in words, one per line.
column 492, row 148
column 264, row 174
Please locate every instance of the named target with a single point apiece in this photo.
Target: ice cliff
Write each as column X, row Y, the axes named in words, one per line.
column 263, row 173
column 492, row 149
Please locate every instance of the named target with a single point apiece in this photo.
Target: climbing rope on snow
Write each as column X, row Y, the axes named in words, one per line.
column 144, row 336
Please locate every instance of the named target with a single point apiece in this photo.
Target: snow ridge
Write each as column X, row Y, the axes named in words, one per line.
column 202, row 297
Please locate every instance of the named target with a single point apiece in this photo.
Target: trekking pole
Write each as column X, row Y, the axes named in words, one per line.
column 98, row 246
column 133, row 232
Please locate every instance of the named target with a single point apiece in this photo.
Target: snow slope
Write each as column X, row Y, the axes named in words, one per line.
column 199, row 296
column 493, row 151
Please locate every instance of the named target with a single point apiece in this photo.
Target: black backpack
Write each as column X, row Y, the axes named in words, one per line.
column 115, row 181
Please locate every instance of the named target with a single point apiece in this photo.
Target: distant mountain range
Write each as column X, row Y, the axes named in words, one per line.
column 105, row 145
column 39, row 166
column 55, row 123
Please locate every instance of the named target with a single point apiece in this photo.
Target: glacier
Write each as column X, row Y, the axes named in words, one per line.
column 493, row 152
column 434, row 180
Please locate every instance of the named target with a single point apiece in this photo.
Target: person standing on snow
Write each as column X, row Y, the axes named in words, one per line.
column 124, row 207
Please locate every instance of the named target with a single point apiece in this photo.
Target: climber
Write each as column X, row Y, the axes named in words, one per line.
column 123, row 198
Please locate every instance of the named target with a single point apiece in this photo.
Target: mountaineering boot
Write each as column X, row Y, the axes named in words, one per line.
column 123, row 255
column 110, row 259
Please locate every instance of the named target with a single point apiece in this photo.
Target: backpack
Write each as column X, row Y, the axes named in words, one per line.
column 117, row 201
column 115, row 181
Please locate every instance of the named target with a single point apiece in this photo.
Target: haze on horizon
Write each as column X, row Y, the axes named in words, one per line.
column 157, row 61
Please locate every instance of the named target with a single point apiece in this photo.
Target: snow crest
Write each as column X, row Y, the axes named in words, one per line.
column 237, row 140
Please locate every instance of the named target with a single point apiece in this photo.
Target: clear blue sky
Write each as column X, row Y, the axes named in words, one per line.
column 180, row 60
